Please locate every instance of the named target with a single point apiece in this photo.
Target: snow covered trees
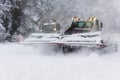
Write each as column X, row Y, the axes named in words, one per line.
column 24, row 16
column 9, row 18
column 5, row 18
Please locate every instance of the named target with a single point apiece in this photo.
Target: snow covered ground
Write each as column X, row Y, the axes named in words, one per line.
column 18, row 62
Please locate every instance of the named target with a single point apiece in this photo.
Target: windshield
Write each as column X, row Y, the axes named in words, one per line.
column 83, row 24
column 50, row 28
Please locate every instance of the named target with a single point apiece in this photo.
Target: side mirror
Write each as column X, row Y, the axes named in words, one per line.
column 101, row 25
column 58, row 27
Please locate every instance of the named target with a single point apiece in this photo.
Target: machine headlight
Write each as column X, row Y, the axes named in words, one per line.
column 55, row 29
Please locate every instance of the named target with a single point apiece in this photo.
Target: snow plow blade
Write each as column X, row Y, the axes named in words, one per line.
column 74, row 39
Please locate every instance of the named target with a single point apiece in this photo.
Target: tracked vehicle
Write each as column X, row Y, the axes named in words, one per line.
column 81, row 33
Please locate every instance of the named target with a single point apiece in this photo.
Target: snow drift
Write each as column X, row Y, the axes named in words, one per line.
column 20, row 62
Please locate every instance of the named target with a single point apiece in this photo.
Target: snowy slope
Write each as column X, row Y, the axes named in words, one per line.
column 18, row 62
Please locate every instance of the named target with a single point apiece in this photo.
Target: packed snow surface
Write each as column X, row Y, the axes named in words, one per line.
column 19, row 62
